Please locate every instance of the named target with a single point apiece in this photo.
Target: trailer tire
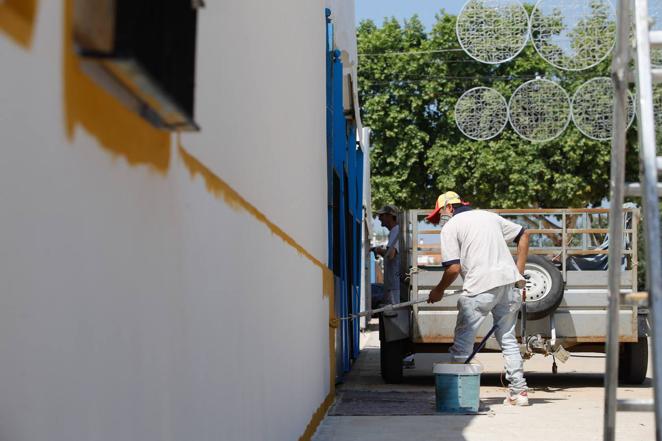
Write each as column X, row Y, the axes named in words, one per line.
column 633, row 362
column 391, row 354
column 544, row 287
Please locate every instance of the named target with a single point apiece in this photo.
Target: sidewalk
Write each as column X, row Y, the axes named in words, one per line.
column 566, row 406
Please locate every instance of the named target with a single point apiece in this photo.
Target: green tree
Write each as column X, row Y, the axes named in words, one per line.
column 409, row 82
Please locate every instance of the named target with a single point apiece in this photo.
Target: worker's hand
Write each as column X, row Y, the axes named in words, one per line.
column 436, row 294
column 521, row 284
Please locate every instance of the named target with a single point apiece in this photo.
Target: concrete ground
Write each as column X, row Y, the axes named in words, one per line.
column 567, row 406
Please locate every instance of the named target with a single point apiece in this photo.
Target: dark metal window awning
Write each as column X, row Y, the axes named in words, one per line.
column 143, row 51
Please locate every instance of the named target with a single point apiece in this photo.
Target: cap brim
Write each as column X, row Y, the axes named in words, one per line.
column 434, row 217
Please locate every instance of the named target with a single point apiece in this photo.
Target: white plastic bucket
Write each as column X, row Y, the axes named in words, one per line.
column 457, row 386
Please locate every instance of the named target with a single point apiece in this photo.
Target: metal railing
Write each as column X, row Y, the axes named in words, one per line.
column 589, row 229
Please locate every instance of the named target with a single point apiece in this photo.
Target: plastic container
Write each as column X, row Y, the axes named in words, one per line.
column 457, row 387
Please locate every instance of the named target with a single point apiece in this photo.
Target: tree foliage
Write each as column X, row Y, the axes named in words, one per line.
column 408, row 101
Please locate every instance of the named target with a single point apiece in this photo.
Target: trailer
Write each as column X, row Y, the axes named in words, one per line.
column 566, row 296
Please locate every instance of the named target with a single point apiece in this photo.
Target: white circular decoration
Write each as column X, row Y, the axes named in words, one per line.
column 655, row 12
column 539, row 110
column 593, row 108
column 481, row 113
column 573, row 34
column 492, row 31
column 657, row 112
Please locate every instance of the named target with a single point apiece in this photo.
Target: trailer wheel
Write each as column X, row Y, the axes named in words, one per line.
column 633, row 362
column 391, row 354
column 544, row 287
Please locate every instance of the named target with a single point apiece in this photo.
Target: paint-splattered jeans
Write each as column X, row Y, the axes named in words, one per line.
column 503, row 302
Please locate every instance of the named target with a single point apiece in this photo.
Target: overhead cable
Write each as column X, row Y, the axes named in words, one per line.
column 392, row 54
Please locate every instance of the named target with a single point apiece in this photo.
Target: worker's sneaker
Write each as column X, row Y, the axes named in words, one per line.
column 409, row 362
column 520, row 399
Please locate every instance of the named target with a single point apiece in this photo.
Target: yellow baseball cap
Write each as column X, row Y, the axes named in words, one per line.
column 450, row 197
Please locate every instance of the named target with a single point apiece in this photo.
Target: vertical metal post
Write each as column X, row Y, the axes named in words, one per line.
column 404, row 242
column 414, row 264
column 414, row 274
column 634, row 246
column 617, row 181
column 414, row 254
column 564, row 246
column 585, row 236
column 648, row 177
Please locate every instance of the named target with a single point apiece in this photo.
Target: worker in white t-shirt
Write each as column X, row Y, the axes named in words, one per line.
column 474, row 243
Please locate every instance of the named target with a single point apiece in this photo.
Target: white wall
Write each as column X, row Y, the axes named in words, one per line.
column 264, row 63
column 138, row 304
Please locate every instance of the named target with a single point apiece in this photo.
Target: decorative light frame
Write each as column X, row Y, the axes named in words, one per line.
column 549, row 106
column 484, row 49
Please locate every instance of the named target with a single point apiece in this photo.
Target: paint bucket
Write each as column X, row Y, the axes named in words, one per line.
column 457, row 387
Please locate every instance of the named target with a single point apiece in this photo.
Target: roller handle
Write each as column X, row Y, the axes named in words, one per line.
column 482, row 344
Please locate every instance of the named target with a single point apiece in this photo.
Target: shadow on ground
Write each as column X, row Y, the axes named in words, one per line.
column 366, row 372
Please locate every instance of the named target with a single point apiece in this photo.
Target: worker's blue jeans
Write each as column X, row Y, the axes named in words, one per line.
column 503, row 302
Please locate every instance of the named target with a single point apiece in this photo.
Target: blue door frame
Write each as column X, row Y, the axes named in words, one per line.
column 345, row 207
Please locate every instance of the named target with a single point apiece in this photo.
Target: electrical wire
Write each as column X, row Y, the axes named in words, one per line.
column 451, row 61
column 445, row 77
column 409, row 53
column 441, row 78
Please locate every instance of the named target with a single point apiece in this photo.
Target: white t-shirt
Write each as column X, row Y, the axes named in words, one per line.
column 477, row 240
column 392, row 266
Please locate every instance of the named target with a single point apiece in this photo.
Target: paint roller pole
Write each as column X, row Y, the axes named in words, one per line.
column 523, row 312
column 482, row 344
column 386, row 308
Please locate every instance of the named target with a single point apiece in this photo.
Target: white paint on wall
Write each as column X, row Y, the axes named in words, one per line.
column 135, row 305
column 265, row 63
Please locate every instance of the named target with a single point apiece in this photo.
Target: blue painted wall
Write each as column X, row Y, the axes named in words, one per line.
column 345, row 209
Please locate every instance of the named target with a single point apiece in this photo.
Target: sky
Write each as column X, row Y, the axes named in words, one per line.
column 400, row 9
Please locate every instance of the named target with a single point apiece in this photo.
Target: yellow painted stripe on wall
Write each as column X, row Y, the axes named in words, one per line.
column 126, row 134
column 222, row 189
column 317, row 418
column 17, row 19
column 230, row 196
column 119, row 130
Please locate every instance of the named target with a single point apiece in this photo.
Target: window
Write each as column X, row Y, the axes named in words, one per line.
column 145, row 48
